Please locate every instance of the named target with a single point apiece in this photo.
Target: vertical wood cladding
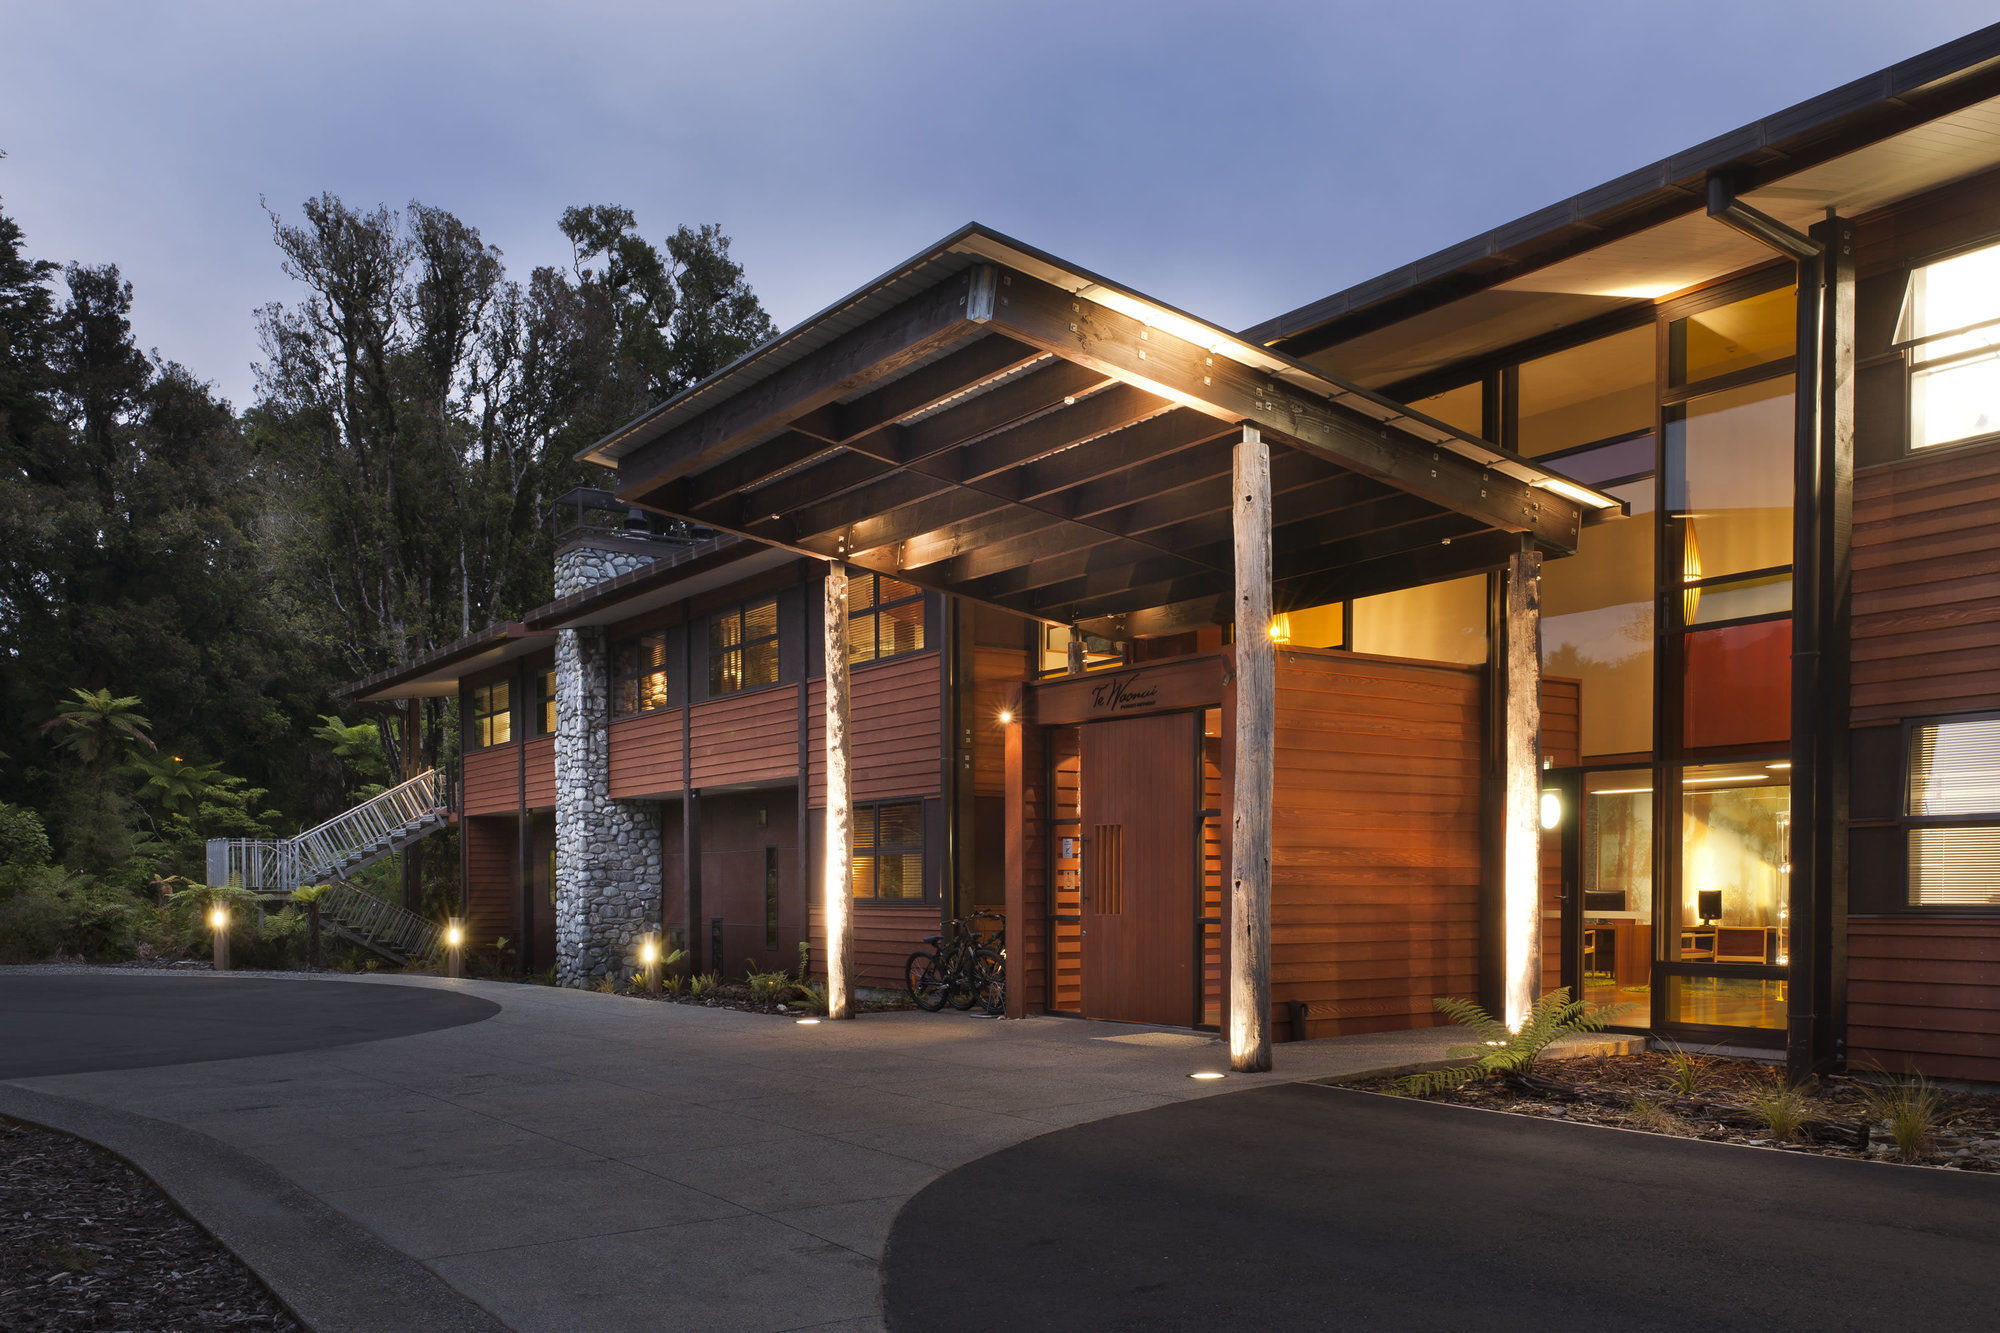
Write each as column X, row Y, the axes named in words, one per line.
column 541, row 759
column 646, row 754
column 750, row 737
column 996, row 673
column 491, row 864
column 1375, row 873
column 1927, row 586
column 492, row 781
column 895, row 730
column 1924, row 994
column 1562, row 707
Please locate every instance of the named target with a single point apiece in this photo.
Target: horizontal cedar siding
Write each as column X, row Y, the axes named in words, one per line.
column 646, row 754
column 750, row 737
column 1375, row 869
column 884, row 939
column 542, row 773
column 1924, row 995
column 895, row 736
column 489, row 881
column 492, row 781
column 1927, row 586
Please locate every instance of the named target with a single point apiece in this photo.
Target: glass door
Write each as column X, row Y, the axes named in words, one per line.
column 1614, row 910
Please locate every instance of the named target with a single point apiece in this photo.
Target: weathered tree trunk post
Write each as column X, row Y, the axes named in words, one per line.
column 1073, row 659
column 1256, row 702
column 839, row 901
column 1521, row 844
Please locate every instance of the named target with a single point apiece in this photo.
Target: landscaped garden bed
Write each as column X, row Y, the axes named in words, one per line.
column 1727, row 1100
column 86, row 1242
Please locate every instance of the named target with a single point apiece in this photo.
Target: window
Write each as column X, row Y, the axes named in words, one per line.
column 1096, row 652
column 1463, row 408
column 1311, row 627
column 1953, row 809
column 1597, row 625
column 545, row 702
column 1597, row 391
column 1437, row 622
column 1950, row 327
column 889, row 852
column 639, row 674
column 1756, row 331
column 743, row 647
column 885, row 618
column 492, row 715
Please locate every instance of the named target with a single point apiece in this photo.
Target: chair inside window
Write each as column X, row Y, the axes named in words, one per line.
column 1742, row 944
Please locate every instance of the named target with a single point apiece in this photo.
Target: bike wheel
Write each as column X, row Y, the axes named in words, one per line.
column 989, row 973
column 963, row 984
column 926, row 984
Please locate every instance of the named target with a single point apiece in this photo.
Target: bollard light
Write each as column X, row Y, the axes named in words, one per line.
column 649, row 954
column 454, row 935
column 454, row 950
column 218, row 922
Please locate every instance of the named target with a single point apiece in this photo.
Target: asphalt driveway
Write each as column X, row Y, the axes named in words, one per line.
column 82, row 1022
column 1304, row 1206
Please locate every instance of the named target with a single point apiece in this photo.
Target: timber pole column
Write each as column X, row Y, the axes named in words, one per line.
column 1256, row 704
column 1521, row 843
column 838, row 905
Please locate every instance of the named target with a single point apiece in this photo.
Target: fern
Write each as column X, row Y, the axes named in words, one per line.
column 1500, row 1051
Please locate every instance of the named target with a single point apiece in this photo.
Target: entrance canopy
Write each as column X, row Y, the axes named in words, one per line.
column 989, row 421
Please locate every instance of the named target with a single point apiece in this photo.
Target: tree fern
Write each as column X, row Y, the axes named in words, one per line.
column 1500, row 1051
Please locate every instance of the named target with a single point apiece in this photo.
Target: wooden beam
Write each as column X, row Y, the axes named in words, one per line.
column 908, row 333
column 1249, row 1011
column 838, row 904
column 1121, row 346
column 927, row 386
column 1521, row 846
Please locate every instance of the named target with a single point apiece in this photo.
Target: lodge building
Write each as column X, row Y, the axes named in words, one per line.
column 1630, row 622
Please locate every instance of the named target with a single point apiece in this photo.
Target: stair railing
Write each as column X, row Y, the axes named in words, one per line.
column 321, row 852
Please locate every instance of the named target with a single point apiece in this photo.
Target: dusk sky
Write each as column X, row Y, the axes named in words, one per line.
column 1235, row 159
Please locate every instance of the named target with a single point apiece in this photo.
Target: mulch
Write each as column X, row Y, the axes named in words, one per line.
column 86, row 1242
column 1638, row 1091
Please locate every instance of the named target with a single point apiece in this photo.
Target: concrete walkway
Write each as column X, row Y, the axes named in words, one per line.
column 582, row 1161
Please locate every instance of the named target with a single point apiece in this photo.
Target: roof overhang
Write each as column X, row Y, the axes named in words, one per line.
column 436, row 675
column 989, row 421
column 698, row 569
column 1914, row 127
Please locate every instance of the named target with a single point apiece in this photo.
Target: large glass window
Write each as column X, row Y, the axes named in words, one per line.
column 1950, row 326
column 492, row 714
column 885, row 618
column 888, row 863
column 1953, row 805
column 743, row 647
column 1463, row 408
column 1597, row 626
column 1585, row 394
column 1734, row 893
column 1438, row 622
column 1729, row 479
column 639, row 674
column 1618, row 891
column 1756, row 331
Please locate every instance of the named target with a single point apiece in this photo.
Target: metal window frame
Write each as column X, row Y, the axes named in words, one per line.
column 741, row 613
column 618, row 677
column 1906, row 823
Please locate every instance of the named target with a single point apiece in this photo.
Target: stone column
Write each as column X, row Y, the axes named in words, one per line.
column 608, row 864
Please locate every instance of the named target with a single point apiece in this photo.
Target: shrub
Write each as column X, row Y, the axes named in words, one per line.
column 23, row 840
column 768, row 987
column 51, row 912
column 1786, row 1109
column 1685, row 1068
column 703, row 984
column 1500, row 1051
column 812, row 996
column 1649, row 1115
column 1910, row 1107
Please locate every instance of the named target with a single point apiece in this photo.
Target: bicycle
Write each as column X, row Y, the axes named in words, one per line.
column 967, row 969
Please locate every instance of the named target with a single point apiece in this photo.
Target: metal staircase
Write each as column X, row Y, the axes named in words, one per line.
column 343, row 845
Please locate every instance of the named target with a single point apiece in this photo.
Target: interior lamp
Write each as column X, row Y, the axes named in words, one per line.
column 1281, row 628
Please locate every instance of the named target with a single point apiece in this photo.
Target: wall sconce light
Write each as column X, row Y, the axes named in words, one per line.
column 1552, row 809
column 1006, row 717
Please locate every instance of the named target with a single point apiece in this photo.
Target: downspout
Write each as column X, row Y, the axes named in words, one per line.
column 1823, row 475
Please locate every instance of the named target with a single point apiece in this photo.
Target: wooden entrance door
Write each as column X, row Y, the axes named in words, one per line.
column 1138, row 817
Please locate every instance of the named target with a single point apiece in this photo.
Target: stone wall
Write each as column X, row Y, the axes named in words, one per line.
column 608, row 865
